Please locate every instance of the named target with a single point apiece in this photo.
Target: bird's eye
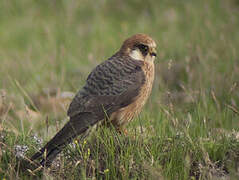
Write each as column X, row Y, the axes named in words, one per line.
column 143, row 48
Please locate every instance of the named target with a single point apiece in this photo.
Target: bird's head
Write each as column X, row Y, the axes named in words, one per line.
column 139, row 47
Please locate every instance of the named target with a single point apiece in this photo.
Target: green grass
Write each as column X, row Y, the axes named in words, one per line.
column 189, row 127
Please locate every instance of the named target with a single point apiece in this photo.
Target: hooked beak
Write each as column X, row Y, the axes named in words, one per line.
column 153, row 52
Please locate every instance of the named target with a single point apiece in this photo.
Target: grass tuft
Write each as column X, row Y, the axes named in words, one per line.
column 188, row 129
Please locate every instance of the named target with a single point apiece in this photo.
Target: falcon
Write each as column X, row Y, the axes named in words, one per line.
column 114, row 92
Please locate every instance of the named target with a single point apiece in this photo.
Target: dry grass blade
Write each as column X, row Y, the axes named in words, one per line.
column 231, row 107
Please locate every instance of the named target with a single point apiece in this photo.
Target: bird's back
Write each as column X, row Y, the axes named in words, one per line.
column 110, row 78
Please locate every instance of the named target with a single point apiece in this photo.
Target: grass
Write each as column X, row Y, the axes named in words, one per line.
column 188, row 129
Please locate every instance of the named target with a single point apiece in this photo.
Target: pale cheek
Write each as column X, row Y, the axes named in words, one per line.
column 136, row 55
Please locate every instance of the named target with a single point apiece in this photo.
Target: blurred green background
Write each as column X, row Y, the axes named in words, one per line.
column 47, row 49
column 55, row 44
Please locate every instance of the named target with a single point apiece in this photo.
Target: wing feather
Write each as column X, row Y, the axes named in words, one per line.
column 105, row 91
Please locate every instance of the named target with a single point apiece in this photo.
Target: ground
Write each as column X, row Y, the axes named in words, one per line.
column 188, row 129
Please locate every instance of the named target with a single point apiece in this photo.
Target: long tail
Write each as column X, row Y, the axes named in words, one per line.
column 76, row 126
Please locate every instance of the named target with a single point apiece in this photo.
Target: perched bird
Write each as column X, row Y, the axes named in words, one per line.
column 115, row 92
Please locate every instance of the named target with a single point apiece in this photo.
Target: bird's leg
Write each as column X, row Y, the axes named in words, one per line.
column 122, row 130
column 125, row 132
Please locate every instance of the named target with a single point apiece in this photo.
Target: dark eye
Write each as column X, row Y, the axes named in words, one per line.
column 144, row 49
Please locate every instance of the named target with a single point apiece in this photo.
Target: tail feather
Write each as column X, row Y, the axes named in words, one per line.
column 76, row 126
